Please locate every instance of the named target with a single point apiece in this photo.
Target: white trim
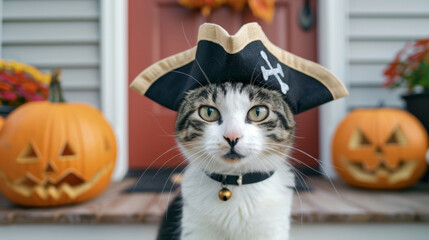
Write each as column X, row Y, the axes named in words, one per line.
column 114, row 75
column 332, row 35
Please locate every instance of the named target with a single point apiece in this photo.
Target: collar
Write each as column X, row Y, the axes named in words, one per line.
column 242, row 179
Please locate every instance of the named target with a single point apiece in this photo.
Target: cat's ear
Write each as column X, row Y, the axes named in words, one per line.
column 248, row 57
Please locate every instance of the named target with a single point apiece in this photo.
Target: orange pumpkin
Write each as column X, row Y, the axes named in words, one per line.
column 1, row 122
column 55, row 153
column 380, row 149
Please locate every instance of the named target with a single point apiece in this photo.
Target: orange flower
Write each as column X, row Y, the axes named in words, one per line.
column 13, row 79
column 30, row 87
column 263, row 9
column 5, row 87
column 237, row 5
column 410, row 66
column 422, row 42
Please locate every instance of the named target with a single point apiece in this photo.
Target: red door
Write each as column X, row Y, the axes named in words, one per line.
column 160, row 28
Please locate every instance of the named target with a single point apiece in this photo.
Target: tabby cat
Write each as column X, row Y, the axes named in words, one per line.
column 238, row 184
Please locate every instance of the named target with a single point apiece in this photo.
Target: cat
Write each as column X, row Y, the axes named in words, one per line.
column 232, row 129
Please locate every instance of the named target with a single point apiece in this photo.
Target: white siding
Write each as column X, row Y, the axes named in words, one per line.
column 377, row 30
column 57, row 33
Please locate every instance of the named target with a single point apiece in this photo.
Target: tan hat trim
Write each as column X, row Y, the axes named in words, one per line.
column 146, row 78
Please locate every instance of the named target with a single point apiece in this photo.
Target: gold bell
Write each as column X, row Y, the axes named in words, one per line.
column 224, row 194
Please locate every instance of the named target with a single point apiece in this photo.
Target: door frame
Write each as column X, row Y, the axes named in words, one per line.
column 114, row 75
column 332, row 51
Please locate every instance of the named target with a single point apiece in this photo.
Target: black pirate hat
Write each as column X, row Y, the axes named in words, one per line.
column 248, row 57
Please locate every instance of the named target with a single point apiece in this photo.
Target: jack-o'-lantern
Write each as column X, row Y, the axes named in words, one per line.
column 380, row 149
column 55, row 153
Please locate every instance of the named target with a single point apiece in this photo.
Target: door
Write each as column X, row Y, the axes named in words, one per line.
column 160, row 28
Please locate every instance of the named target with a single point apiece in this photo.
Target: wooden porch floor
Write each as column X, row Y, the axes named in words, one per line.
column 323, row 204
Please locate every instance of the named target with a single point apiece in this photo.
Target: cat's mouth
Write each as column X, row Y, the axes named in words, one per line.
column 232, row 155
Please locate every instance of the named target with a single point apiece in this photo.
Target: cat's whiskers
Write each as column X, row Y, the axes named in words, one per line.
column 211, row 159
column 156, row 159
column 297, row 137
column 305, row 153
column 150, row 165
column 172, row 185
column 193, row 78
column 171, row 188
column 198, row 163
column 159, row 124
column 317, row 160
column 294, row 170
column 292, row 158
column 261, row 163
column 173, row 171
column 297, row 172
column 266, row 81
column 168, row 161
column 197, row 160
column 253, row 80
column 196, row 60
column 196, row 146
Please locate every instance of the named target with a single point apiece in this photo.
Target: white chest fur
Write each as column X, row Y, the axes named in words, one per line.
column 255, row 211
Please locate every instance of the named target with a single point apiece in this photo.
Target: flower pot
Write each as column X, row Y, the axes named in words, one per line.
column 418, row 105
column 5, row 110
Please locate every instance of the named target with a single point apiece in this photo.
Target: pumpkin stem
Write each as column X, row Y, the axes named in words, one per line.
column 55, row 90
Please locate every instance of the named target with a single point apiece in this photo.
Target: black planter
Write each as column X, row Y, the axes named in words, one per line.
column 418, row 105
column 5, row 110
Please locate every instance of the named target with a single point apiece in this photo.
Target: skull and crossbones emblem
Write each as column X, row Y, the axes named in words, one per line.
column 276, row 72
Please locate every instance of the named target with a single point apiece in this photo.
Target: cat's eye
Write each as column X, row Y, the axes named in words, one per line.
column 210, row 114
column 257, row 113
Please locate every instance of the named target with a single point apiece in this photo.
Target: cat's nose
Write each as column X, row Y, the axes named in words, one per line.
column 231, row 141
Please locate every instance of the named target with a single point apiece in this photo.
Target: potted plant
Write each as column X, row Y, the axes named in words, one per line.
column 410, row 68
column 20, row 83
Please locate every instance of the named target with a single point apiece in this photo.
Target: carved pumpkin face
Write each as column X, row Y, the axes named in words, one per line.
column 55, row 154
column 380, row 149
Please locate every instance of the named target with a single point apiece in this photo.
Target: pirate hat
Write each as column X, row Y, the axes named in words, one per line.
column 248, row 57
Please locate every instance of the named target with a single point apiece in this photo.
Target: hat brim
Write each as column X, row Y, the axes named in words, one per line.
column 248, row 57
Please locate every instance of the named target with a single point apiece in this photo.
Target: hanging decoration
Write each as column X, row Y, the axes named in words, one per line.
column 263, row 9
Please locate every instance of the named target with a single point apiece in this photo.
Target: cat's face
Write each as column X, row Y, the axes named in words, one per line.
column 234, row 128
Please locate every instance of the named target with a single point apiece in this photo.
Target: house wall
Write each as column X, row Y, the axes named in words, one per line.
column 49, row 34
column 377, row 30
